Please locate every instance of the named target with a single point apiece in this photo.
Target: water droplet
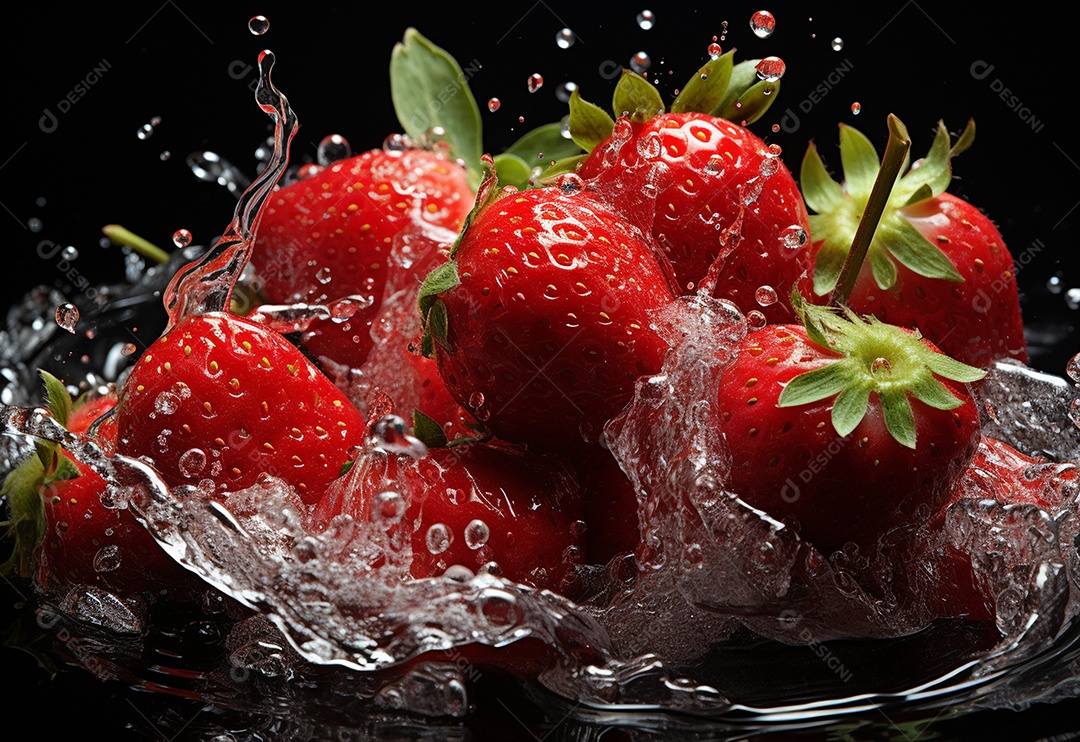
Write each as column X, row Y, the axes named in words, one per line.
column 458, row 573
column 775, row 128
column 1074, row 412
column 856, row 107
column 107, row 558
column 192, row 462
column 34, row 224
column 1072, row 298
column 343, row 309
column 69, row 253
column 165, row 155
column 388, row 433
column 128, row 349
column 1055, row 285
column 837, row 44
column 333, row 148
column 439, row 537
column 649, row 146
column 771, row 69
column 181, row 238
column 763, row 23
column 756, row 319
column 535, row 82
column 397, row 143
column 715, row 50
column 765, row 296
column 167, row 403
column 769, row 166
column 640, row 63
column 793, row 239
column 571, row 183
column 1072, row 368
column 388, row 507
column 646, row 19
column 324, row 275
column 67, row 316
column 493, row 104
column 476, row 534
column 565, row 38
column 565, row 91
column 715, row 165
column 880, row 366
column 145, row 131
column 258, row 25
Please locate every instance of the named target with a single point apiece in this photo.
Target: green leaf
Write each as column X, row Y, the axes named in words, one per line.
column 849, row 409
column 829, row 262
column 752, row 104
column 899, row 417
column 816, row 385
column 512, row 170
column 486, row 193
column 589, row 123
column 883, row 268
column 808, row 317
column 950, row 368
column 704, row 91
column 27, row 507
column 743, row 77
column 566, row 165
column 637, row 97
column 915, row 252
column 429, row 89
column 543, row 146
column 860, row 162
column 929, row 390
column 443, row 278
column 428, row 430
column 821, row 193
column 922, row 193
column 438, row 323
column 59, row 399
column 933, row 173
column 65, row 469
column 965, row 140
column 345, row 468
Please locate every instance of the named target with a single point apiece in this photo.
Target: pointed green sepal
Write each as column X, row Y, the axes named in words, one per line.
column 428, row 430
column 860, row 162
column 27, row 510
column 821, row 193
column 637, row 98
column 704, row 91
column 849, row 409
column 745, row 98
column 816, row 385
column 589, row 123
column 915, row 252
column 442, row 278
column 512, row 170
column 899, row 417
column 59, row 399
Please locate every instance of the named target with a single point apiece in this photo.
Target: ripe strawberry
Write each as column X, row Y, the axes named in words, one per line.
column 219, row 400
column 351, row 228
column 540, row 322
column 704, row 187
column 846, row 428
column 476, row 504
column 937, row 263
column 610, row 509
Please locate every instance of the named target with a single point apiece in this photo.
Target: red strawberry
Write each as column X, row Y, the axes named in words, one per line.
column 476, row 504
column 610, row 509
column 351, row 228
column 846, row 428
column 703, row 187
column 540, row 322
column 937, row 263
column 219, row 400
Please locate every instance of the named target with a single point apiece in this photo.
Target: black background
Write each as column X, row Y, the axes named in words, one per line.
column 194, row 67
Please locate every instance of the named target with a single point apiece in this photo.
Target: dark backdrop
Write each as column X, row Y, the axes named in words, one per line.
column 80, row 82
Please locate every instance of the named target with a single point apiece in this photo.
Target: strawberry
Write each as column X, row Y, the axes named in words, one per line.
column 351, row 228
column 540, row 322
column 937, row 263
column 476, row 504
column 704, row 186
column 610, row 508
column 846, row 428
column 219, row 400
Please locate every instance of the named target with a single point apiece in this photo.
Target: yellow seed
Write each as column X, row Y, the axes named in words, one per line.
column 187, row 350
column 246, row 344
column 168, row 366
column 265, row 362
column 214, row 367
column 208, row 407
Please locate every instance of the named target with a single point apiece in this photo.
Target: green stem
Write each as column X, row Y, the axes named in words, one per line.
column 121, row 236
column 895, row 154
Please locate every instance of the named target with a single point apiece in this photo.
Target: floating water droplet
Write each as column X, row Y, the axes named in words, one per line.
column 128, row 349
column 181, row 238
column 388, row 507
column 40, row 202
column 775, row 128
column 715, row 50
column 1072, row 368
column 458, row 573
column 165, row 155
column 343, row 309
column 145, row 131
column 258, row 25
column 837, row 44
column 535, row 82
column 1072, row 298
column 210, row 167
column 107, row 558
column 388, row 433
column 856, row 107
column 324, row 275
column 333, row 148
column 646, row 19
column 771, row 69
column 565, row 91
column 439, row 537
column 34, row 224
column 763, row 23
column 756, row 319
column 1055, row 285
column 67, row 316
column 640, row 63
column 765, row 296
column 192, row 462
column 565, row 38
column 476, row 534
column 70, row 253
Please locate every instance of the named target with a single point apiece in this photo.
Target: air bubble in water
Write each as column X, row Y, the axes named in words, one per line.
column 565, row 38
column 771, row 69
column 181, row 238
column 107, row 558
column 646, row 19
column 763, row 23
column 67, row 316
column 493, row 104
column 439, row 537
column 535, row 82
column 756, row 319
column 837, row 44
column 640, row 63
column 333, row 148
column 564, row 91
column 476, row 534
column 258, row 25
column 765, row 296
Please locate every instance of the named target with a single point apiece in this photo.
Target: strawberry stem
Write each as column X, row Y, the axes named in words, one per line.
column 121, row 236
column 891, row 163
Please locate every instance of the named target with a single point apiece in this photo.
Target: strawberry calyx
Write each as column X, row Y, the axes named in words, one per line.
column 839, row 206
column 720, row 88
column 429, row 432
column 873, row 359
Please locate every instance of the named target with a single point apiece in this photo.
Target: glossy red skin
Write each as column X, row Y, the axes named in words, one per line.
column 791, row 463
column 977, row 321
column 610, row 509
column 78, row 527
column 245, row 410
column 528, row 502
column 549, row 372
column 696, row 203
column 361, row 222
